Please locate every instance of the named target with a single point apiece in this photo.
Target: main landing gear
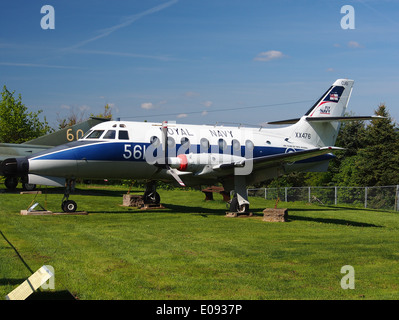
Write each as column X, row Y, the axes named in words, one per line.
column 239, row 203
column 11, row 183
column 151, row 196
column 68, row 205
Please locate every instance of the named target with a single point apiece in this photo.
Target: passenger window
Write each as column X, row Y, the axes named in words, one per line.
column 249, row 145
column 171, row 142
column 204, row 143
column 96, row 134
column 185, row 142
column 236, row 145
column 154, row 140
column 123, row 135
column 222, row 144
column 110, row 134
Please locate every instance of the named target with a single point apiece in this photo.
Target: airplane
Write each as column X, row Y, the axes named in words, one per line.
column 191, row 155
column 68, row 134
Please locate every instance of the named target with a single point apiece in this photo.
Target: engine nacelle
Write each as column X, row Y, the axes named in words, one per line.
column 195, row 162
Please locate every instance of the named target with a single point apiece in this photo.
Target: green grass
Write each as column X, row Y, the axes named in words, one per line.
column 191, row 250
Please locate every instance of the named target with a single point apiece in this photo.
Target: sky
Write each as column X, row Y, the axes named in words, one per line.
column 198, row 61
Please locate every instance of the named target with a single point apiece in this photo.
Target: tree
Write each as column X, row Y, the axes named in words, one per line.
column 107, row 114
column 76, row 117
column 352, row 138
column 378, row 161
column 17, row 125
column 371, row 157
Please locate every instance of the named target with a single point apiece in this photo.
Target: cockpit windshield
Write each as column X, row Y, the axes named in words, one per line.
column 96, row 134
column 110, row 134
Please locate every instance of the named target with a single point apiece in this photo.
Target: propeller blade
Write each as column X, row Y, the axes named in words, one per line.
column 165, row 141
column 175, row 175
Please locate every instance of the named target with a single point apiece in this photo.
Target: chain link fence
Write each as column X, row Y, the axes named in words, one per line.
column 385, row 197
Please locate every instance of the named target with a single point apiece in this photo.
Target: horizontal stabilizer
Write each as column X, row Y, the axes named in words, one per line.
column 326, row 119
column 289, row 121
column 329, row 119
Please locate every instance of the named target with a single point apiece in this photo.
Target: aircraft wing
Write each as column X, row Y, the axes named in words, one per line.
column 275, row 160
column 14, row 150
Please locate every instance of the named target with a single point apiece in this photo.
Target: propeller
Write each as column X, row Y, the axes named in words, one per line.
column 173, row 172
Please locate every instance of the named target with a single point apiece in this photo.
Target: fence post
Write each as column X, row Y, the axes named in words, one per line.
column 286, row 196
column 365, row 197
column 309, row 194
column 265, row 193
column 335, row 195
column 397, row 198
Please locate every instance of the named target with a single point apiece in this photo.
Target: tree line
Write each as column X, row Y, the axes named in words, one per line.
column 18, row 125
column 370, row 156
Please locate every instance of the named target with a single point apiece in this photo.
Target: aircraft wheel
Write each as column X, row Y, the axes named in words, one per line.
column 235, row 206
column 11, row 183
column 28, row 186
column 152, row 198
column 69, row 206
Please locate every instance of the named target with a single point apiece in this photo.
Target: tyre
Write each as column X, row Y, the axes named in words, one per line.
column 236, row 207
column 152, row 198
column 28, row 186
column 11, row 183
column 69, row 206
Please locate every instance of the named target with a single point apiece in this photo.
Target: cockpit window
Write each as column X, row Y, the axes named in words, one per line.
column 96, row 134
column 123, row 135
column 110, row 134
column 87, row 134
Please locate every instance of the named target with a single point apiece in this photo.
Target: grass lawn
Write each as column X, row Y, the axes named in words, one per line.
column 190, row 250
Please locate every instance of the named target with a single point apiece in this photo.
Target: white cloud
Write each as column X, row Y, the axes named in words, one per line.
column 269, row 55
column 84, row 108
column 330, row 70
column 182, row 115
column 147, row 105
column 354, row 44
column 191, row 94
column 207, row 104
column 204, row 113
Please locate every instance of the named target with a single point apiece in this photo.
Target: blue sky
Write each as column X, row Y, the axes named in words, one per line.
column 184, row 60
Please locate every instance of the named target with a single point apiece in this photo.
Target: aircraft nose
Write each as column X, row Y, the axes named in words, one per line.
column 15, row 167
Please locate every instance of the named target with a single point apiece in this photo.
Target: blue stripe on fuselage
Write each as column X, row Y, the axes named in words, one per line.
column 129, row 151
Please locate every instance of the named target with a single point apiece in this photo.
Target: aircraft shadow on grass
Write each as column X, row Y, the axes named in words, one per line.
column 334, row 221
column 204, row 212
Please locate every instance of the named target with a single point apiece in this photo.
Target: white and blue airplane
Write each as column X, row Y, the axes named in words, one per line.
column 190, row 155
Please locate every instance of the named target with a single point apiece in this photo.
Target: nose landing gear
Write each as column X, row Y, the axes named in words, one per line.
column 68, row 205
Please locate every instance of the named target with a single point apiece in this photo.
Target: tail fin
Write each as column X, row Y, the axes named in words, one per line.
column 320, row 125
column 67, row 134
column 334, row 102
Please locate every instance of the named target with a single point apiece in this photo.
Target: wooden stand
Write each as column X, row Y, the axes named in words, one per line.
column 46, row 213
column 151, row 206
column 238, row 215
column 132, row 200
column 275, row 215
